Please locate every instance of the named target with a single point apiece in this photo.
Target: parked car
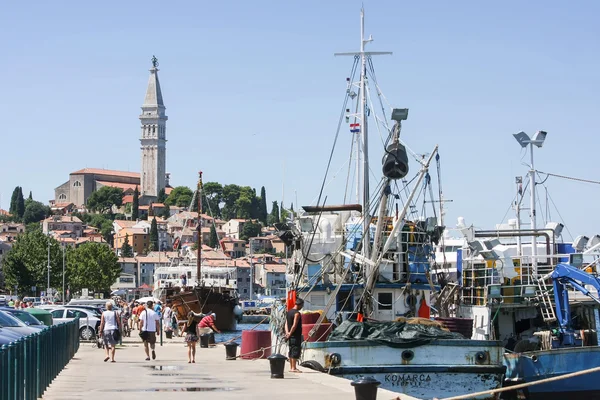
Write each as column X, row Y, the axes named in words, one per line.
column 89, row 321
column 7, row 336
column 3, row 300
column 25, row 317
column 14, row 325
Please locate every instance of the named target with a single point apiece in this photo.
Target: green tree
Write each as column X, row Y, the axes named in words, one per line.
column 162, row 196
column 231, row 193
column 284, row 213
column 30, row 195
column 181, row 196
column 135, row 210
column 250, row 229
column 13, row 201
column 166, row 212
column 274, row 216
column 93, row 266
column 26, row 264
column 154, row 235
column 20, row 206
column 262, row 206
column 104, row 224
column 213, row 240
column 35, row 211
column 103, row 199
column 213, row 193
column 126, row 249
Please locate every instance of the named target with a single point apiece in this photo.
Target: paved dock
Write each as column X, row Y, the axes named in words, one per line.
column 131, row 377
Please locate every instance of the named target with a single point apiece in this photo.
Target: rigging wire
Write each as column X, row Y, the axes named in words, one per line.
column 569, row 178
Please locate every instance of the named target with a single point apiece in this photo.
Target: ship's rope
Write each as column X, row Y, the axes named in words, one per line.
column 522, row 385
column 571, row 178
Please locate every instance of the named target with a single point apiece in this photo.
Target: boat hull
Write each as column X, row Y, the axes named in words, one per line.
column 442, row 368
column 204, row 300
column 537, row 365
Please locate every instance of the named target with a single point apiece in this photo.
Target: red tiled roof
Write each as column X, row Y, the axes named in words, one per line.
column 4, row 212
column 124, row 186
column 128, row 198
column 168, row 190
column 100, row 171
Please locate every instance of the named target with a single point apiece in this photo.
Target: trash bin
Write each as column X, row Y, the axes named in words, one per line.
column 365, row 388
column 231, row 350
column 211, row 338
column 169, row 334
column 204, row 338
column 277, row 362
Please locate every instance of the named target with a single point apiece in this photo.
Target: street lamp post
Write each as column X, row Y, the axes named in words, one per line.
column 64, row 294
column 524, row 141
column 48, row 287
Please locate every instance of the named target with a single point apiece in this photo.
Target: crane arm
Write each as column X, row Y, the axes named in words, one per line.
column 565, row 275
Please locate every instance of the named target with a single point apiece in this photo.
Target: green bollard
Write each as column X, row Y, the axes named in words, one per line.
column 3, row 372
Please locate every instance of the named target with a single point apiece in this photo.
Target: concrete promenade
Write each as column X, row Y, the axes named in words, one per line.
column 131, row 377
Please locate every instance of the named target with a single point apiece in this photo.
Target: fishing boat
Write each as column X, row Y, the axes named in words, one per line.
column 539, row 297
column 184, row 284
column 366, row 267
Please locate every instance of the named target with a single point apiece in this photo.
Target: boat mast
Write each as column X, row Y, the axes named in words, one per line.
column 365, row 138
column 199, row 239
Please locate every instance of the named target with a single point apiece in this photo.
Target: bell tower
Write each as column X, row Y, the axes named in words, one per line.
column 154, row 137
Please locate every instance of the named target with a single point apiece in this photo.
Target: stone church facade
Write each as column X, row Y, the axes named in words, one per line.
column 153, row 178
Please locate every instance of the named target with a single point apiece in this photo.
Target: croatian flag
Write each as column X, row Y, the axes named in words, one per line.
column 354, row 128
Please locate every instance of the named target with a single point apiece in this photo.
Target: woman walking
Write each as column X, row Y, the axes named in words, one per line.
column 191, row 337
column 110, row 331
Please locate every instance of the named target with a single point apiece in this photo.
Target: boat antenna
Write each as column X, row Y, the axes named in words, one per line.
column 363, row 130
column 199, row 239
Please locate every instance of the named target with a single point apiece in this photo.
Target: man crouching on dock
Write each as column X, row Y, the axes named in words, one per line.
column 293, row 332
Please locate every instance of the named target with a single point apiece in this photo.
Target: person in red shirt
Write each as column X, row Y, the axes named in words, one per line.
column 207, row 324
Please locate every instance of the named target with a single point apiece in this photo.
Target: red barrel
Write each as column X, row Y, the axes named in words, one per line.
column 464, row 326
column 253, row 342
column 320, row 335
column 309, row 318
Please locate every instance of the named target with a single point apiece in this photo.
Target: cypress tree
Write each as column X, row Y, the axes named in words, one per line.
column 30, row 195
column 213, row 240
column 263, row 213
column 162, row 196
column 126, row 249
column 13, row 201
column 154, row 235
column 135, row 211
column 20, row 208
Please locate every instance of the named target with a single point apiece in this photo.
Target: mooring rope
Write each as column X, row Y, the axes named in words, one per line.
column 522, row 385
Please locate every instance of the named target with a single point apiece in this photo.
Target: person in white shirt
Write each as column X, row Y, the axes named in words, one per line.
column 109, row 324
column 149, row 325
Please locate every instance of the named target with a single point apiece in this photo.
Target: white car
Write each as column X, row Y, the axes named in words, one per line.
column 89, row 321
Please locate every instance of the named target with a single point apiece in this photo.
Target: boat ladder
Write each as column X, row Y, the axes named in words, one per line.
column 546, row 305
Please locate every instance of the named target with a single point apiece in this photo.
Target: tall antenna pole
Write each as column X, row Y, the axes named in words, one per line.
column 363, row 145
column 532, row 207
column 365, row 138
column 199, row 239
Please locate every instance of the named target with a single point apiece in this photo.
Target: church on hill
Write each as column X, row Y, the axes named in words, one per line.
column 153, row 178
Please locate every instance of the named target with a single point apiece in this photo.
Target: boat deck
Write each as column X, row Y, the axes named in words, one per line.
column 88, row 377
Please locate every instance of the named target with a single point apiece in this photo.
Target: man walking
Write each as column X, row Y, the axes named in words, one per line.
column 149, row 325
column 293, row 332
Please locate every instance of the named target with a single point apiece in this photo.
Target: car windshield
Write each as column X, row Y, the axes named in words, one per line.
column 8, row 320
column 27, row 318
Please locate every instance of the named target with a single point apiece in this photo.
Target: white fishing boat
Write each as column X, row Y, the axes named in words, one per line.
column 367, row 268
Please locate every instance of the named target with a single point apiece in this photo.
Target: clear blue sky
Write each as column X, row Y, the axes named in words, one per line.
column 251, row 86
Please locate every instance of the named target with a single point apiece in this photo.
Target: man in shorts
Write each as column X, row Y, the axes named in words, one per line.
column 293, row 333
column 149, row 326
